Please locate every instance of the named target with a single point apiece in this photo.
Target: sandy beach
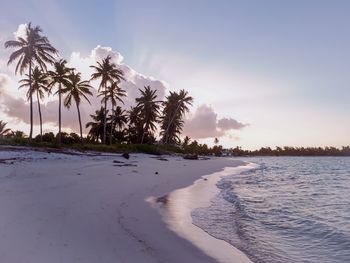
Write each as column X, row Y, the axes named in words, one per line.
column 58, row 207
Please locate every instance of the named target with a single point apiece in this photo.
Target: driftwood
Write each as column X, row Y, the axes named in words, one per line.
column 191, row 157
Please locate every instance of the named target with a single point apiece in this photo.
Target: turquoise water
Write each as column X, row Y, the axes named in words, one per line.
column 288, row 209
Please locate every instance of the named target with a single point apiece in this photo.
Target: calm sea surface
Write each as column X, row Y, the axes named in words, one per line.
column 287, row 209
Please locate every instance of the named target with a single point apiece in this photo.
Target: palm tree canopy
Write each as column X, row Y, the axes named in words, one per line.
column 149, row 107
column 134, row 116
column 113, row 93
column 3, row 129
column 60, row 74
column 184, row 101
column 96, row 125
column 76, row 89
column 107, row 72
column 119, row 117
column 33, row 48
column 39, row 81
column 175, row 106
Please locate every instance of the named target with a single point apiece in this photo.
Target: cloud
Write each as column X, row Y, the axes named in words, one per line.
column 21, row 31
column 203, row 123
column 230, row 124
column 4, row 82
column 100, row 53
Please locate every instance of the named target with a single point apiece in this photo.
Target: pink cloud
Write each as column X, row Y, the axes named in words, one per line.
column 204, row 124
column 230, row 124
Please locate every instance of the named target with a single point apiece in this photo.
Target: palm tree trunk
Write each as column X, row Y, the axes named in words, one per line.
column 31, row 102
column 112, row 122
column 59, row 114
column 171, row 121
column 105, row 118
column 81, row 129
column 143, row 134
column 40, row 117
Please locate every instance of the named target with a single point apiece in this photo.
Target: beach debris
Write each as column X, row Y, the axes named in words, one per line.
column 156, row 173
column 126, row 155
column 160, row 158
column 12, row 160
column 125, row 164
column 191, row 157
column 163, row 199
column 115, row 161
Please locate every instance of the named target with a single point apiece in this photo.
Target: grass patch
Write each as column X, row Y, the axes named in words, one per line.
column 115, row 148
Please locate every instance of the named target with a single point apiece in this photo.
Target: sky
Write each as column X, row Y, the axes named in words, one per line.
column 262, row 73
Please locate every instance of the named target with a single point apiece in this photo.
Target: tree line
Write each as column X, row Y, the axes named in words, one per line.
column 47, row 74
column 292, row 151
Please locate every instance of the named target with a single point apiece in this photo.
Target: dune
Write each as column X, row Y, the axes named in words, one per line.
column 57, row 207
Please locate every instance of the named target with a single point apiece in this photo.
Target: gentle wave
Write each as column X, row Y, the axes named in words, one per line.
column 289, row 209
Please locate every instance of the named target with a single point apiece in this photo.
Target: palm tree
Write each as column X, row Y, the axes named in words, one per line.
column 33, row 48
column 59, row 76
column 186, row 141
column 135, row 125
column 149, row 109
column 39, row 83
column 175, row 107
column 76, row 90
column 3, row 129
column 113, row 93
column 96, row 126
column 118, row 119
column 108, row 73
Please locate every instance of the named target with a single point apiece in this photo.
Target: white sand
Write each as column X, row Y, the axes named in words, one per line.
column 64, row 208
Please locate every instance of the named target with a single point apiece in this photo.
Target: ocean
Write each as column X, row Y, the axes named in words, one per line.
column 285, row 210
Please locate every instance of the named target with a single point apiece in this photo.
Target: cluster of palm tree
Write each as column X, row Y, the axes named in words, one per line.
column 175, row 106
column 140, row 124
column 47, row 74
column 31, row 49
column 35, row 53
column 66, row 81
column 109, row 88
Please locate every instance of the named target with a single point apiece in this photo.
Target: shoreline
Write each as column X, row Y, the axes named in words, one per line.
column 91, row 208
column 176, row 210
